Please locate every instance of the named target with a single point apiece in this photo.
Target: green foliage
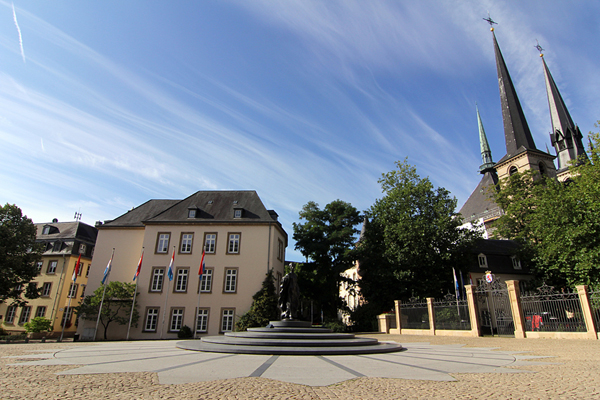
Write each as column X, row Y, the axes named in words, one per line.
column 336, row 326
column 116, row 307
column 19, row 254
column 557, row 223
column 185, row 332
column 412, row 241
column 264, row 306
column 38, row 324
column 364, row 318
column 327, row 237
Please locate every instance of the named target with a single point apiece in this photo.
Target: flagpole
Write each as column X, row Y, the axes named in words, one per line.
column 201, row 272
column 162, row 326
column 134, row 293
column 103, row 294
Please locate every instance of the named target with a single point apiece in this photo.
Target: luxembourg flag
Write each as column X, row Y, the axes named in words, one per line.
column 139, row 268
column 77, row 267
column 170, row 271
column 201, row 270
column 107, row 270
column 456, row 287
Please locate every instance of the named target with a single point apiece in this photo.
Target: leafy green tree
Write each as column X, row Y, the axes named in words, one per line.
column 264, row 306
column 38, row 324
column 557, row 223
column 411, row 242
column 19, row 254
column 116, row 307
column 327, row 237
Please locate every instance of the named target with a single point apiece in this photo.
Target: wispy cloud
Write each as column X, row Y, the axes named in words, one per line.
column 19, row 31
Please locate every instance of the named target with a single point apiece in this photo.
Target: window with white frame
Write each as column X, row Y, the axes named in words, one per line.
column 40, row 311
column 39, row 265
column 230, row 280
column 192, row 213
column 52, row 267
column 46, row 289
column 210, row 242
column 151, row 319
column 237, row 213
column 186, row 242
column 10, row 314
column 227, row 320
column 46, row 230
column 73, row 290
column 25, row 314
column 176, row 319
column 206, row 284
column 158, row 275
column 234, row 243
column 182, row 279
column 82, row 248
column 202, row 320
column 482, row 261
column 162, row 242
column 516, row 262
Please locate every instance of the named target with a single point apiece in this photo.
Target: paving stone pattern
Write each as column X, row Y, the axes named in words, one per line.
column 431, row 367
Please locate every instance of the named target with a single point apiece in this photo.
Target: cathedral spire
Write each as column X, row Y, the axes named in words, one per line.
column 565, row 137
column 486, row 153
column 516, row 130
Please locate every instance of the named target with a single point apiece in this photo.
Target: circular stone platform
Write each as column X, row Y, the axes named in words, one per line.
column 289, row 337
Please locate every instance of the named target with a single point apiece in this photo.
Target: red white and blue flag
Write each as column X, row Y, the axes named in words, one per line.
column 170, row 271
column 77, row 267
column 201, row 270
column 139, row 268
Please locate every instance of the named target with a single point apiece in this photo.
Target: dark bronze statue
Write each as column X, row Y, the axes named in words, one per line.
column 289, row 295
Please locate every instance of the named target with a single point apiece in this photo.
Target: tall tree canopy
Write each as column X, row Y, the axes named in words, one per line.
column 19, row 254
column 116, row 307
column 327, row 237
column 264, row 306
column 558, row 223
column 412, row 240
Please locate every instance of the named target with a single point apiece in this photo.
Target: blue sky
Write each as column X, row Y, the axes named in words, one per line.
column 106, row 104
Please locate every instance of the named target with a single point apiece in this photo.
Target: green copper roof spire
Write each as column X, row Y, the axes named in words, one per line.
column 486, row 153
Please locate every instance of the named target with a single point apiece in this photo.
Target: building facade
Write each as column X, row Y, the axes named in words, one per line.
column 64, row 244
column 239, row 238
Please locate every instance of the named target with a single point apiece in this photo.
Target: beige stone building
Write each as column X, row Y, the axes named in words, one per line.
column 63, row 243
column 241, row 240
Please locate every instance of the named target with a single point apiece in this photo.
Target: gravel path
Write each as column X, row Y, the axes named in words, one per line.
column 576, row 374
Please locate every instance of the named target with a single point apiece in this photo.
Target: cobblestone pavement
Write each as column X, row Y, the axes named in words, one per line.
column 574, row 373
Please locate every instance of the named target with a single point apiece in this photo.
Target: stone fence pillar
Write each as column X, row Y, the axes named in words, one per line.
column 584, row 299
column 398, row 317
column 431, row 312
column 514, row 295
column 473, row 312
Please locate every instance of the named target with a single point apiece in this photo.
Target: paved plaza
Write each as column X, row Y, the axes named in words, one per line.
column 429, row 367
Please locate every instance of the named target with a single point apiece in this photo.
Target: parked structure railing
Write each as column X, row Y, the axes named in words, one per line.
column 595, row 307
column 451, row 314
column 414, row 314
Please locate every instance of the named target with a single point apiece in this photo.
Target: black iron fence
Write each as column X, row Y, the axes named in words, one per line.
column 414, row 314
column 547, row 310
column 451, row 314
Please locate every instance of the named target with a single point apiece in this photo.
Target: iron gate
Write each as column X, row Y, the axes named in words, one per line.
column 493, row 305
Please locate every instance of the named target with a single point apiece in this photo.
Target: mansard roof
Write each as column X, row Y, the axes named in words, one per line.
column 135, row 216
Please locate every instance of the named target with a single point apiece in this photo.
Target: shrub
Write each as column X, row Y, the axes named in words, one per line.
column 38, row 324
column 185, row 332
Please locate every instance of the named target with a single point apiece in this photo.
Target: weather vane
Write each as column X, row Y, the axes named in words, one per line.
column 77, row 216
column 539, row 48
column 490, row 21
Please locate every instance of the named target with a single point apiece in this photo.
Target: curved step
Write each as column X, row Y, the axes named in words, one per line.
column 306, row 342
column 296, row 330
column 290, row 335
column 280, row 350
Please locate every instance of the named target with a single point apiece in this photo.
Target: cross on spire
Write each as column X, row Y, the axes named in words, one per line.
column 539, row 48
column 490, row 21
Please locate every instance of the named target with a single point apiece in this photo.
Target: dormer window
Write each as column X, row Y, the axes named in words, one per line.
column 513, row 170
column 237, row 213
column 82, row 249
column 192, row 213
column 516, row 262
column 482, row 261
column 46, row 230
